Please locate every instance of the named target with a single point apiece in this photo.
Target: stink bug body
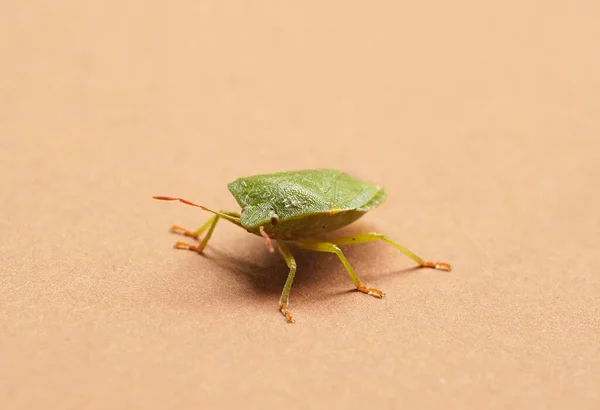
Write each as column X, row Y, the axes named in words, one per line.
column 298, row 207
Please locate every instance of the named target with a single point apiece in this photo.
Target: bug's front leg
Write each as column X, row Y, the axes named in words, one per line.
column 285, row 294
column 210, row 225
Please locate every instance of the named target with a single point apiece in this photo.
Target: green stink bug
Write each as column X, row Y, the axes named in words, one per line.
column 297, row 207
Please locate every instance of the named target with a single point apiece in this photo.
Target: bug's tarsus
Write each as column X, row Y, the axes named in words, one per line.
column 187, row 246
column 284, row 310
column 371, row 291
column 182, row 231
column 437, row 265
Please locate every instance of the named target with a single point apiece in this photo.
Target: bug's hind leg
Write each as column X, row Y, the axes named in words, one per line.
column 285, row 294
column 210, row 225
column 333, row 248
column 372, row 236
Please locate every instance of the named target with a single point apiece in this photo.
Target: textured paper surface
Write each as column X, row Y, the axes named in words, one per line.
column 482, row 122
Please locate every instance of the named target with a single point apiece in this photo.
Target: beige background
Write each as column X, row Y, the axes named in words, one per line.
column 481, row 120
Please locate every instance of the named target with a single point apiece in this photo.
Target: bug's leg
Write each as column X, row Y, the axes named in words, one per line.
column 332, row 248
column 210, row 225
column 194, row 234
column 372, row 236
column 285, row 294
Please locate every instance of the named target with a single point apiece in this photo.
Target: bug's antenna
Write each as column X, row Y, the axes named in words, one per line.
column 185, row 201
column 268, row 242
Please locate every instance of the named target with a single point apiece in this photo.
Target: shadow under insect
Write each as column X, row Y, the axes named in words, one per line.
column 319, row 275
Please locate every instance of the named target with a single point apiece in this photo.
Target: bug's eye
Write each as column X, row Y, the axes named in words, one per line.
column 274, row 218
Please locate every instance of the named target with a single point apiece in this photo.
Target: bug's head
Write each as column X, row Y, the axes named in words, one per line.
column 255, row 216
column 260, row 219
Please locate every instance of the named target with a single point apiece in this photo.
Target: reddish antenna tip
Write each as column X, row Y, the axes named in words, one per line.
column 170, row 198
